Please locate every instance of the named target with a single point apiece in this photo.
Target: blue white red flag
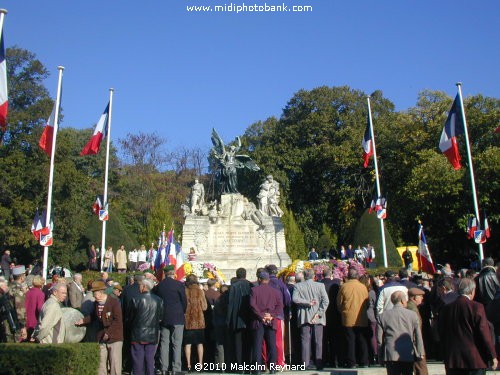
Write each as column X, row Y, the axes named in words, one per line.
column 454, row 126
column 98, row 204
column 471, row 227
column 47, row 137
column 4, row 96
column 36, row 226
column 367, row 144
column 487, row 230
column 479, row 236
column 425, row 260
column 104, row 213
column 180, row 273
column 172, row 256
column 100, row 132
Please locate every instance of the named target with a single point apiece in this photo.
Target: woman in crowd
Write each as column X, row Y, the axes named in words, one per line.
column 194, row 329
column 109, row 260
column 34, row 302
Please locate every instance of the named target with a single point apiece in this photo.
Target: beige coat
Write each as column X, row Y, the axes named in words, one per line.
column 50, row 328
column 352, row 302
column 121, row 259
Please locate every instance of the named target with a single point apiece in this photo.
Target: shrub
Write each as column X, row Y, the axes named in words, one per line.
column 61, row 359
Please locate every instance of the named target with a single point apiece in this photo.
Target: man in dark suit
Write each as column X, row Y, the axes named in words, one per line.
column 238, row 315
column 266, row 304
column 173, row 294
column 333, row 327
column 465, row 334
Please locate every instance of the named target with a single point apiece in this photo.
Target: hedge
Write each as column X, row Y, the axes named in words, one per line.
column 42, row 359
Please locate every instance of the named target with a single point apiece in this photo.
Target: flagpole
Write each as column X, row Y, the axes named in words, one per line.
column 105, row 196
column 3, row 12
column 471, row 168
column 382, row 231
column 51, row 170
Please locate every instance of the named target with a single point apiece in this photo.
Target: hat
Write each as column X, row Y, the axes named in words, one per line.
column 98, row 285
column 263, row 275
column 389, row 273
column 18, row 270
column 118, row 286
column 415, row 292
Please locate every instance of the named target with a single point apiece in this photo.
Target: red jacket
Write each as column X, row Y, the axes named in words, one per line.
column 465, row 335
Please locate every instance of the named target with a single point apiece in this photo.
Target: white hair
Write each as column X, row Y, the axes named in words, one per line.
column 149, row 284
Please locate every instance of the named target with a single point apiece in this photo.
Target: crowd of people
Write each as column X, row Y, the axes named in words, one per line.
column 363, row 254
column 306, row 322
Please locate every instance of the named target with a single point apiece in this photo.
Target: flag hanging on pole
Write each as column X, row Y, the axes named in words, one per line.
column 172, row 256
column 45, row 232
column 180, row 273
column 425, row 259
column 4, row 97
column 471, row 227
column 487, row 230
column 45, row 142
column 379, row 205
column 367, row 144
column 100, row 132
column 36, row 226
column 98, row 204
column 104, row 213
column 454, row 126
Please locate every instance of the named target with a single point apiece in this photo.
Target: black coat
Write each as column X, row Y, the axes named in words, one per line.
column 486, row 285
column 238, row 310
column 144, row 316
column 173, row 294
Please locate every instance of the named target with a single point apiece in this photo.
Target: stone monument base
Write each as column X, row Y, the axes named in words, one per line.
column 233, row 240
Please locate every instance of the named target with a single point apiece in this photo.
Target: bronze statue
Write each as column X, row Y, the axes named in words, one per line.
column 229, row 161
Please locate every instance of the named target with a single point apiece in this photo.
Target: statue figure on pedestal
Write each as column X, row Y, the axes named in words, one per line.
column 229, row 161
column 269, row 197
column 197, row 197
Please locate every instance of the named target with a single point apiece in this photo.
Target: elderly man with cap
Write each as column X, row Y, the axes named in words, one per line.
column 50, row 328
column 108, row 313
column 391, row 285
column 266, row 304
column 415, row 299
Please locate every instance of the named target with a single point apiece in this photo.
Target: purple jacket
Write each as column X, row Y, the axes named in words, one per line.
column 265, row 299
column 33, row 302
column 286, row 299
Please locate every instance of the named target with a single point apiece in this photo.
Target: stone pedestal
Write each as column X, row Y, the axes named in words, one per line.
column 231, row 242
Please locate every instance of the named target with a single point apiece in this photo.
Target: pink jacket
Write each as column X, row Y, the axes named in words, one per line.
column 34, row 302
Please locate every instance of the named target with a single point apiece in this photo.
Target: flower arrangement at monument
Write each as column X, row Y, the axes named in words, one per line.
column 204, row 271
column 339, row 268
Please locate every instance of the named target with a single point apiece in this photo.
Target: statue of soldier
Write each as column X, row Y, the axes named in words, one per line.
column 17, row 293
column 197, row 197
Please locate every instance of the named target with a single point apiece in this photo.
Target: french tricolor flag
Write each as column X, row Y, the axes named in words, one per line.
column 4, row 100
column 367, row 145
column 425, row 259
column 100, row 132
column 454, row 126
column 47, row 137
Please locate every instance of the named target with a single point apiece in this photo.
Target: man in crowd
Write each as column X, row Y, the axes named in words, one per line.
column 76, row 291
column 487, row 283
column 391, row 285
column 399, row 336
column 407, row 259
column 266, row 304
column 5, row 264
column 8, row 316
column 352, row 302
column 17, row 293
column 144, row 315
column 280, row 319
column 50, row 328
column 108, row 313
column 238, row 317
column 465, row 334
column 212, row 295
column 173, row 294
column 416, row 297
column 312, row 301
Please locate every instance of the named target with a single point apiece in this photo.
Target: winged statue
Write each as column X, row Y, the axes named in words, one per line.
column 229, row 161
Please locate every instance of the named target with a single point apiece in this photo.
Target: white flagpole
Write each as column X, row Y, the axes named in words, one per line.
column 51, row 169
column 105, row 195
column 471, row 168
column 372, row 132
column 3, row 12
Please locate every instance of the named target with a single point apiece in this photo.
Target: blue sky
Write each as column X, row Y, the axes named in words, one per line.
column 181, row 73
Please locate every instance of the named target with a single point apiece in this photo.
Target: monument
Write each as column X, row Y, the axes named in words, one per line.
column 233, row 232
